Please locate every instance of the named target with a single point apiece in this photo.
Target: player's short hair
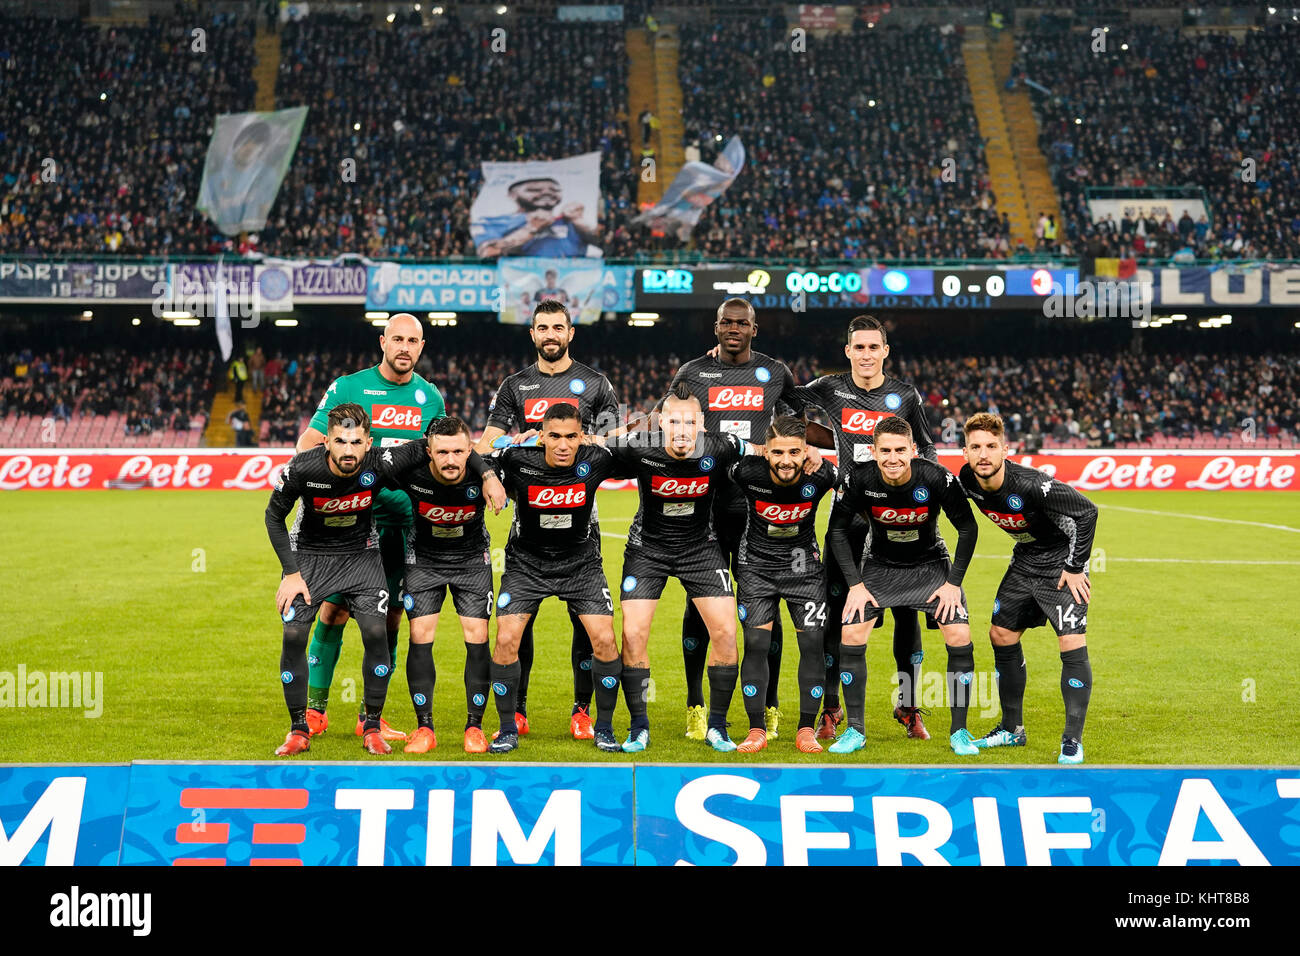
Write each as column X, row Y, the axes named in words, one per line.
column 446, row 427
column 866, row 323
column 981, row 422
column 559, row 412
column 551, row 306
column 786, row 426
column 348, row 415
column 679, row 392
column 893, row 425
column 742, row 303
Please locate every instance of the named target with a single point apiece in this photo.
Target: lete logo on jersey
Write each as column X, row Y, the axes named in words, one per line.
column 557, row 496
column 398, row 417
column 535, row 408
column 353, row 502
column 857, row 421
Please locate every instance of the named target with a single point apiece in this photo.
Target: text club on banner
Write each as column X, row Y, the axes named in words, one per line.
column 348, row 814
column 863, row 816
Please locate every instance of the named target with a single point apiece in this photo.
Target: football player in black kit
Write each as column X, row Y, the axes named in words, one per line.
column 1047, row 581
column 520, row 402
column 334, row 548
column 778, row 561
column 906, row 565
column 740, row 391
column 553, row 550
column 856, row 402
column 446, row 548
column 679, row 469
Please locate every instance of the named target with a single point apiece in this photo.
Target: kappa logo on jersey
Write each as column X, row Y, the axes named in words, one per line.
column 357, row 501
column 440, row 514
column 902, row 516
column 535, row 408
column 921, row 494
column 892, row 401
column 762, row 374
column 577, row 386
column 1014, row 501
column 783, row 514
column 857, row 421
column 404, row 417
column 1007, row 522
column 723, row 398
column 666, row 487
column 1047, row 486
column 557, row 496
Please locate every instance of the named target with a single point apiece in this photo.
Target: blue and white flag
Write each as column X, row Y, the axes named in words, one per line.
column 693, row 189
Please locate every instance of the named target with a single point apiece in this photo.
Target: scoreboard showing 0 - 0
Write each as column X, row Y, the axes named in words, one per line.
column 1003, row 287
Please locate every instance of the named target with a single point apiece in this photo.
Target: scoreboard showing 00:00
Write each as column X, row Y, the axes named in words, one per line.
column 834, row 282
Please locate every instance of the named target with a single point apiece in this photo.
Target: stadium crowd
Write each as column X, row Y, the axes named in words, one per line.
column 143, row 393
column 1159, row 107
column 846, row 144
column 1090, row 399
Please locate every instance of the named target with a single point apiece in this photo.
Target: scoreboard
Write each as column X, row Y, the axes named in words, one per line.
column 892, row 288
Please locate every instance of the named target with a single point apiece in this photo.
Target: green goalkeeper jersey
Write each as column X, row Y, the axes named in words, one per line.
column 398, row 414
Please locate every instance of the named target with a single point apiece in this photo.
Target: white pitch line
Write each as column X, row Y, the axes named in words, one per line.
column 998, row 557
column 1179, row 514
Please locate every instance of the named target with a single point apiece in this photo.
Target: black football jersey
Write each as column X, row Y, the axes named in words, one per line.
column 676, row 509
column 780, row 518
column 904, row 519
column 555, row 508
column 854, row 413
column 448, row 519
column 524, row 397
column 1053, row 524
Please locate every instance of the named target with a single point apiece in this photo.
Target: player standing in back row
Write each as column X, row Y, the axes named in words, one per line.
column 521, row 402
column 1047, row 581
column 400, row 404
column 856, row 402
column 740, row 391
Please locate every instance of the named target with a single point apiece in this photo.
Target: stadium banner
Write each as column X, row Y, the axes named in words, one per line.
column 538, row 208
column 600, row 13
column 695, row 187
column 393, row 287
column 256, row 469
column 1158, row 208
column 1227, row 285
column 587, row 286
column 279, row 283
column 248, row 156
column 60, row 815
column 347, row 814
column 993, row 816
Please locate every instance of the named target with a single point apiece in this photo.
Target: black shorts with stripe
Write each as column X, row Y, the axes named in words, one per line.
column 469, row 580
column 702, row 571
column 759, row 591
column 357, row 578
column 909, row 587
column 1027, row 600
column 579, row 581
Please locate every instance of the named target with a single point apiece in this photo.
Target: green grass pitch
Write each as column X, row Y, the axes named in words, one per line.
column 170, row 595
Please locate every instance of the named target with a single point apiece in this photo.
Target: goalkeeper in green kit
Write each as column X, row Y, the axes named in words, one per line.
column 400, row 404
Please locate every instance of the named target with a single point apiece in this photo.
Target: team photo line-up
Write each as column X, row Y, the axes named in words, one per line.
column 392, row 496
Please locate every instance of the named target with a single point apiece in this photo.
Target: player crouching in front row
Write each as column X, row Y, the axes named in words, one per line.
column 906, row 565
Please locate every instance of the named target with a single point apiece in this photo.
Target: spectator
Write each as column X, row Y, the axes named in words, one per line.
column 243, row 426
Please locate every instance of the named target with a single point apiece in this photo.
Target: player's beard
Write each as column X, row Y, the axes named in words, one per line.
column 560, row 350
column 786, row 475
column 346, row 469
column 452, row 475
column 393, row 364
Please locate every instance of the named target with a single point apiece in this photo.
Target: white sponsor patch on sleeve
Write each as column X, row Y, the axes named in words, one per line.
column 554, row 522
column 738, row 428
